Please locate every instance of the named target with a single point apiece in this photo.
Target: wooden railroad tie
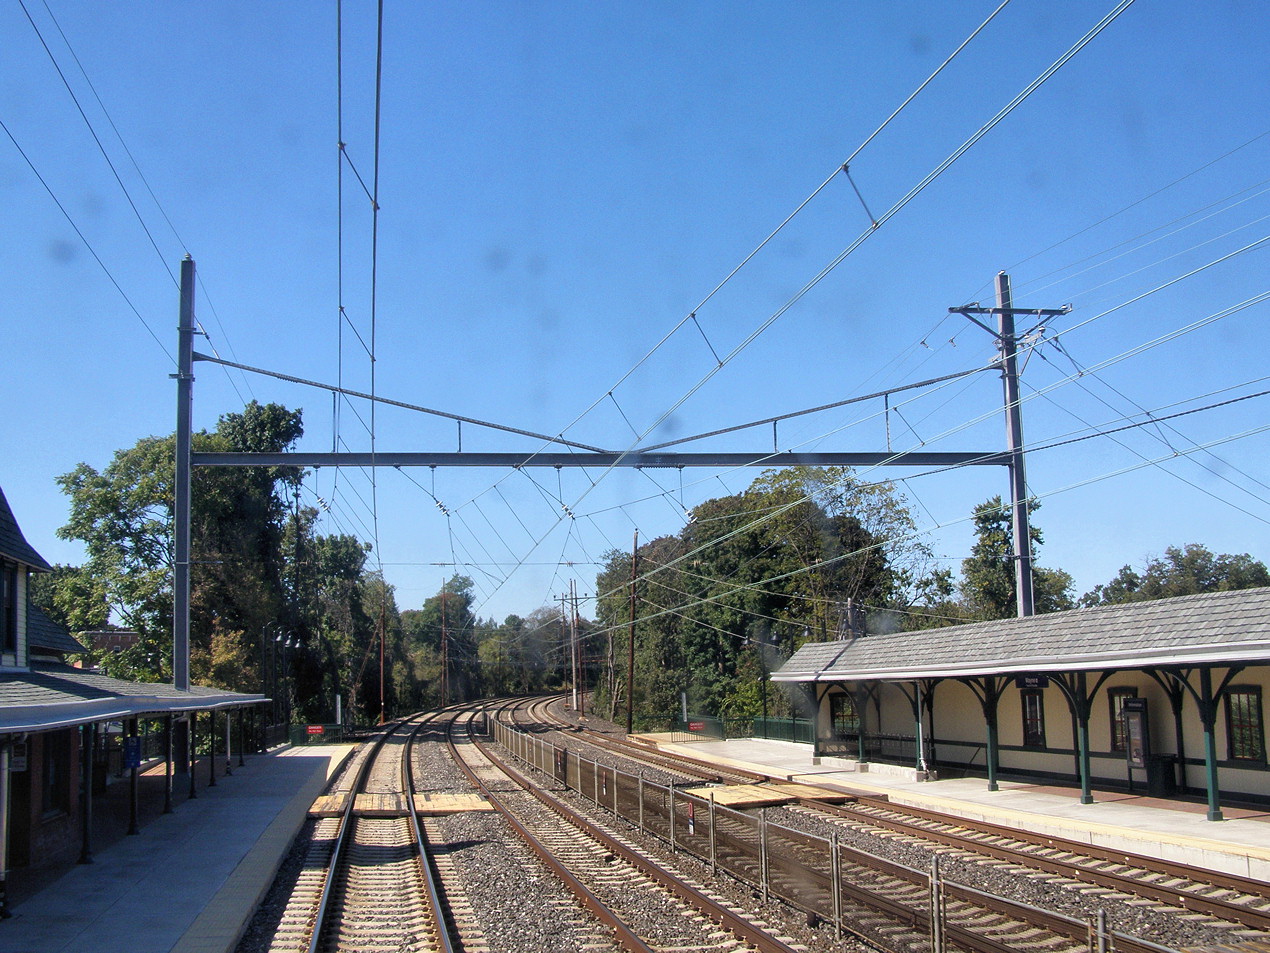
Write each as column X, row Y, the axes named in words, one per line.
column 394, row 805
column 765, row 795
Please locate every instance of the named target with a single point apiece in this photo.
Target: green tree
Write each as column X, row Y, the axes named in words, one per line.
column 1184, row 571
column 72, row 596
column 987, row 584
column 124, row 516
column 772, row 566
column 330, row 618
column 445, row 628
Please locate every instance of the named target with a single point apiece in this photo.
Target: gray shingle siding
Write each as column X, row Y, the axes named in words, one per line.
column 13, row 544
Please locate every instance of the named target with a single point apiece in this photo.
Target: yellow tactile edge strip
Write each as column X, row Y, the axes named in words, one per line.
column 221, row 924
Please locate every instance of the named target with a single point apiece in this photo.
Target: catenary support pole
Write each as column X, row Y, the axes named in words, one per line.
column 181, row 510
column 1014, row 446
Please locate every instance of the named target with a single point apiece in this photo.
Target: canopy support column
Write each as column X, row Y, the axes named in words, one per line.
column 88, row 735
column 211, row 749
column 1208, row 718
column 1082, row 735
column 5, row 748
column 167, row 764
column 133, row 771
column 193, row 755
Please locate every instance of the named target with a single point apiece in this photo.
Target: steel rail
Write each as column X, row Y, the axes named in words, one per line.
column 337, row 854
column 1050, row 921
column 739, row 927
column 1055, row 923
column 432, row 891
column 1233, row 911
column 1257, row 918
column 625, row 936
column 879, row 902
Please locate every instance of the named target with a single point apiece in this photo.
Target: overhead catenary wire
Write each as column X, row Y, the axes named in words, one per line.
column 87, row 244
column 894, row 210
column 1254, row 431
column 1108, row 362
column 136, row 167
column 693, row 312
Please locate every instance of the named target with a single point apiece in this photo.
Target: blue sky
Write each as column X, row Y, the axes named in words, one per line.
column 561, row 183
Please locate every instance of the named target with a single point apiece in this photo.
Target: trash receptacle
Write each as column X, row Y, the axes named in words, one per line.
column 1161, row 776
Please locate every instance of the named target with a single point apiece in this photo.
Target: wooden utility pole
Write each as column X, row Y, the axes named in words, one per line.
column 445, row 651
column 578, row 650
column 383, row 707
column 630, row 642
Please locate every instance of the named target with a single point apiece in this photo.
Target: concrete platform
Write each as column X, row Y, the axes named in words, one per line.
column 189, row 882
column 1156, row 827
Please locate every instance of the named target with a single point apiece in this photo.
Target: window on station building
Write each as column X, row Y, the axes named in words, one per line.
column 9, row 607
column 1115, row 699
column 842, row 714
column 1033, row 718
column 1245, row 732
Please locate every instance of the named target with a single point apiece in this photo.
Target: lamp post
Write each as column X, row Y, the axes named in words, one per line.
column 277, row 643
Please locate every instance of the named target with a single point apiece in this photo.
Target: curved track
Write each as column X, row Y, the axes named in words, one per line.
column 613, row 879
column 1224, row 899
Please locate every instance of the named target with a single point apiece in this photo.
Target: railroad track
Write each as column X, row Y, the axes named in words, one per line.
column 641, row 904
column 1225, row 898
column 367, row 881
column 797, row 872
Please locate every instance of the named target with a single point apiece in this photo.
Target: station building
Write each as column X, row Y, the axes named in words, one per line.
column 1165, row 697
column 54, row 717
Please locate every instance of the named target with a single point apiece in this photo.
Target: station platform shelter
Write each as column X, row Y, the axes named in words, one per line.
column 1166, row 696
column 190, row 881
column 60, row 725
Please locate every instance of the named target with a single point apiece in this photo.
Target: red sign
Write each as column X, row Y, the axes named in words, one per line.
column 696, row 726
column 316, row 729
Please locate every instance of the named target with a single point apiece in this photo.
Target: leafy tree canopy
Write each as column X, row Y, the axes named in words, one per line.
column 987, row 585
column 1180, row 572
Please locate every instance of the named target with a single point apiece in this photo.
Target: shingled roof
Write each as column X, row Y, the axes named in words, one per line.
column 12, row 543
column 1218, row 628
column 53, row 696
column 43, row 633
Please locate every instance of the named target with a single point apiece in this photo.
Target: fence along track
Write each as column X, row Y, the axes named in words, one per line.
column 367, row 882
column 1225, row 897
column 643, row 875
column 808, row 871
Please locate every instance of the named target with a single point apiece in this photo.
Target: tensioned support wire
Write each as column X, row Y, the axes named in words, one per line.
column 345, row 392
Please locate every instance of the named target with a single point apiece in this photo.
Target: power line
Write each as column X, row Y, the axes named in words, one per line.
column 92, row 251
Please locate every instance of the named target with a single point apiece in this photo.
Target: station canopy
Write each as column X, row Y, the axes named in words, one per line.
column 1208, row 629
column 52, row 695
